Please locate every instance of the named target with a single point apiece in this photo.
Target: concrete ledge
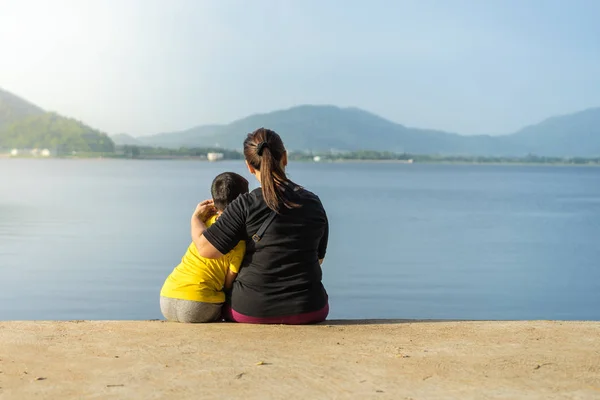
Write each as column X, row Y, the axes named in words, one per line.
column 336, row 360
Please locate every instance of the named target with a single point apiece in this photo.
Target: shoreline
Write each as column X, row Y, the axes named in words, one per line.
column 344, row 359
column 339, row 161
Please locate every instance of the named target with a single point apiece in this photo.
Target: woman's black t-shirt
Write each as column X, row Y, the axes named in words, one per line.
column 280, row 275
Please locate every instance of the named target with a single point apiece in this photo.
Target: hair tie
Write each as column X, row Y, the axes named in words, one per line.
column 260, row 148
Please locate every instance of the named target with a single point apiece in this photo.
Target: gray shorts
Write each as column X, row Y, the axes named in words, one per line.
column 177, row 310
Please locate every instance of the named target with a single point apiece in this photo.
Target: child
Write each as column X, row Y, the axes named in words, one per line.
column 194, row 290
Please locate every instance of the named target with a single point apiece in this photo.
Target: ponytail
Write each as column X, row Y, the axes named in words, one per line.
column 264, row 150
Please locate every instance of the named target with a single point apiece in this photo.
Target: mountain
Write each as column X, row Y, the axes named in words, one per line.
column 24, row 125
column 55, row 132
column 188, row 137
column 318, row 128
column 322, row 128
column 13, row 108
column 308, row 128
column 573, row 135
column 122, row 139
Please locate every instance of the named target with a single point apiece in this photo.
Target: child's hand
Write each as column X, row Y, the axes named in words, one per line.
column 205, row 210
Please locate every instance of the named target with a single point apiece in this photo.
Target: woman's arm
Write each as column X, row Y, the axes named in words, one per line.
column 222, row 236
column 203, row 211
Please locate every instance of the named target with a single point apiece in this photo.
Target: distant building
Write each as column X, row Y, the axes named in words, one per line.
column 14, row 152
column 316, row 158
column 45, row 153
column 214, row 156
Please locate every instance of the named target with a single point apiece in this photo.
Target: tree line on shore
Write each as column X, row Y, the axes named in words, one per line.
column 147, row 152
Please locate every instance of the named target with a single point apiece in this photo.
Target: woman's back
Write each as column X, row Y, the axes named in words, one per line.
column 281, row 274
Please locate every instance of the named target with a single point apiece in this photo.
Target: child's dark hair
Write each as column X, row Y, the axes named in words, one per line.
column 226, row 187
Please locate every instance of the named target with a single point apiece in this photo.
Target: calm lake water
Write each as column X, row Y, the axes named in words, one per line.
column 94, row 239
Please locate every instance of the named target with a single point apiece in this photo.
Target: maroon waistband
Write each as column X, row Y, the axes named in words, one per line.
column 300, row 319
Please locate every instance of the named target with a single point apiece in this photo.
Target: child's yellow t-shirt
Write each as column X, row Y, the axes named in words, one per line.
column 202, row 279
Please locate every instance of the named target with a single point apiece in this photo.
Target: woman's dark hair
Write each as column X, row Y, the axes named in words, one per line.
column 264, row 150
column 226, row 187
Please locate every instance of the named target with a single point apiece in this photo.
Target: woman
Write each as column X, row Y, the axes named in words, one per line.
column 286, row 231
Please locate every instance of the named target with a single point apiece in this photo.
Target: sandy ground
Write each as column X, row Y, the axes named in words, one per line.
column 336, row 360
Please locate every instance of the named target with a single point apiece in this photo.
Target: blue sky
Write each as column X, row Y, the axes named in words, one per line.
column 148, row 66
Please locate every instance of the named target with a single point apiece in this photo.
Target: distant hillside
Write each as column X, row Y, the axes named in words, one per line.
column 121, row 139
column 321, row 128
column 24, row 125
column 571, row 135
column 52, row 131
column 189, row 137
column 13, row 108
column 309, row 128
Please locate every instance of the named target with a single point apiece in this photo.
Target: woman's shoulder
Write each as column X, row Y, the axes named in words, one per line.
column 306, row 194
column 246, row 200
column 248, row 203
column 309, row 201
column 252, row 198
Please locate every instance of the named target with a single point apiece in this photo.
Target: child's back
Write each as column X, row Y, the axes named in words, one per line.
column 201, row 279
column 193, row 292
